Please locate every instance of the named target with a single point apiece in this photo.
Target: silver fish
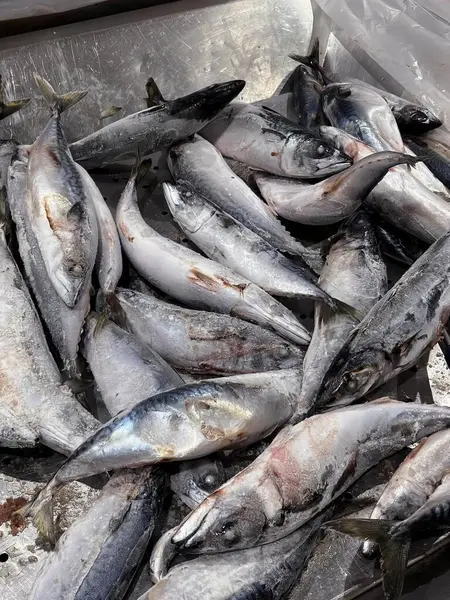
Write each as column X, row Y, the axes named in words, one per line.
column 96, row 565
column 196, row 479
column 191, row 421
column 108, row 262
column 304, row 469
column 262, row 572
column 399, row 198
column 64, row 323
column 156, row 127
column 230, row 243
column 355, row 273
column 34, row 401
column 331, row 200
column 263, row 139
column 64, row 221
column 162, row 556
column 398, row 330
column 193, row 279
column 199, row 164
column 125, row 370
column 202, row 342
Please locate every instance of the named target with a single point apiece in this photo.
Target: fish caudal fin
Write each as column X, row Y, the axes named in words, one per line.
column 40, row 509
column 339, row 306
column 394, row 551
column 55, row 101
column 9, row 108
column 154, row 96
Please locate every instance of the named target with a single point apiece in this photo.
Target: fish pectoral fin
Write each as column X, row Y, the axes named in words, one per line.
column 76, row 212
column 154, row 96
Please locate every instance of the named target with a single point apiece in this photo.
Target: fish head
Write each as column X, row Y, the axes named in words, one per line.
column 352, row 375
column 203, row 105
column 229, row 519
column 415, row 119
column 197, row 479
column 346, row 143
column 312, row 155
column 188, row 208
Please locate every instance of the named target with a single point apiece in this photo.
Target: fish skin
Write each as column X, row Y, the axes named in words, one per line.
column 262, row 572
column 64, row 324
column 203, row 342
column 108, row 262
column 155, row 128
column 95, row 566
column 162, row 555
column 398, row 245
column 125, row 370
column 31, row 387
column 264, row 139
column 436, row 153
column 196, row 479
column 199, row 164
column 332, row 200
column 304, row 469
column 230, row 243
column 194, row 280
column 397, row 331
column 355, row 273
column 64, row 222
column 399, row 198
column 307, row 89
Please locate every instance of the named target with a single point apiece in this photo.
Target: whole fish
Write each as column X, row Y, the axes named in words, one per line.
column 202, row 342
column 264, row 139
column 333, row 199
column 230, row 243
column 193, row 279
column 262, row 572
column 304, row 469
column 188, row 422
column 355, row 273
column 96, row 565
column 126, row 371
column 64, row 221
column 8, row 108
column 199, row 164
column 63, row 323
column 156, row 127
column 108, row 262
column 398, row 330
column 34, row 401
column 414, row 505
column 196, row 479
column 399, row 198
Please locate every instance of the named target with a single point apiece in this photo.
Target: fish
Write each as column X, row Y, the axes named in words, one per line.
column 156, row 127
column 399, row 198
column 191, row 421
column 63, row 323
column 202, row 342
column 196, row 479
column 230, row 243
column 398, row 245
column 194, row 280
column 36, row 406
column 110, row 111
column 265, row 140
column 162, row 556
column 108, row 262
column 306, row 90
column 396, row 333
column 333, row 199
column 8, row 108
column 200, row 165
column 124, row 516
column 262, row 572
column 414, row 505
column 64, row 222
column 304, row 469
column 355, row 273
column 436, row 149
column 125, row 370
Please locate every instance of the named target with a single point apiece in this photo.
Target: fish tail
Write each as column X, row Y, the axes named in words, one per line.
column 59, row 103
column 40, row 509
column 154, row 96
column 337, row 305
column 394, row 551
column 9, row 108
column 140, row 167
column 311, row 59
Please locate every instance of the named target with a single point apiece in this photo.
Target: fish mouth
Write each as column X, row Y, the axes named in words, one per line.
column 189, row 535
column 331, row 169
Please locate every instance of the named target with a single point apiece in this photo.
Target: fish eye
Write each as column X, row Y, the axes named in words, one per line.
column 230, row 532
column 320, row 149
column 210, row 480
column 420, row 116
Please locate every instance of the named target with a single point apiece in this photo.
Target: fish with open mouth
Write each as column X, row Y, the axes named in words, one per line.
column 156, row 127
column 304, row 469
column 64, row 221
column 263, row 139
column 200, row 341
column 194, row 280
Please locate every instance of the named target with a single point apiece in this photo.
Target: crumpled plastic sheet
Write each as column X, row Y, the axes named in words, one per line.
column 404, row 44
column 22, row 9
